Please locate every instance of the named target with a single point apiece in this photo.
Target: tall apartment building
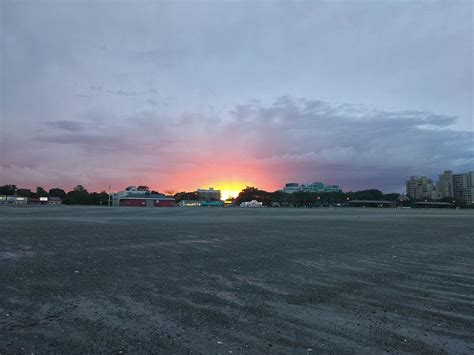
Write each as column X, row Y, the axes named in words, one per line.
column 458, row 186
column 445, row 184
column 463, row 187
column 450, row 185
column 421, row 187
column 471, row 184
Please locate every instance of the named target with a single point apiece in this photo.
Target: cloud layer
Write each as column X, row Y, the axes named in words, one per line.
column 291, row 140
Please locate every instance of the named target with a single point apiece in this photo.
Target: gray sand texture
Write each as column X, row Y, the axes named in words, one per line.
column 231, row 280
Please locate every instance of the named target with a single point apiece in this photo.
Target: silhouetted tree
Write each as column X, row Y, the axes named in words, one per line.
column 24, row 192
column 169, row 192
column 40, row 192
column 252, row 193
column 391, row 197
column 79, row 196
column 57, row 192
column 372, row 194
column 80, row 188
column 8, row 189
column 100, row 198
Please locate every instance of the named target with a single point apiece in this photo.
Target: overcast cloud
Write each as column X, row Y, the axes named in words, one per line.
column 178, row 95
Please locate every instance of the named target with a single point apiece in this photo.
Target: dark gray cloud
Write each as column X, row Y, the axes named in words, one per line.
column 367, row 141
column 119, row 92
column 66, row 125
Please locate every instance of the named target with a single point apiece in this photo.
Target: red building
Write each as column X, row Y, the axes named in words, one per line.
column 153, row 201
column 135, row 197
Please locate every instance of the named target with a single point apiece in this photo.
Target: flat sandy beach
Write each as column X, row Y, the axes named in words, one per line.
column 221, row 280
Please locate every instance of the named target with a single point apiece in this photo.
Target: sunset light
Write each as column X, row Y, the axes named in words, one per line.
column 230, row 188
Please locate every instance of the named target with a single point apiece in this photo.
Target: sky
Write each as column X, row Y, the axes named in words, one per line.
column 189, row 94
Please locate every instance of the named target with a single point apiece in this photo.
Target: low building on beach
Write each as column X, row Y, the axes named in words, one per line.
column 431, row 204
column 371, row 203
column 134, row 197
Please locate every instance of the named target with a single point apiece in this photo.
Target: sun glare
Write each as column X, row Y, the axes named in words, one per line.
column 225, row 194
column 230, row 189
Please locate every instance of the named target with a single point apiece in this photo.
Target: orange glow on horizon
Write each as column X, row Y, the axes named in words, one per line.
column 229, row 188
column 228, row 177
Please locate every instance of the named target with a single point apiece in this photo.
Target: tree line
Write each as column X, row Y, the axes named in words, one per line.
column 77, row 196
column 80, row 196
column 325, row 199
column 310, row 199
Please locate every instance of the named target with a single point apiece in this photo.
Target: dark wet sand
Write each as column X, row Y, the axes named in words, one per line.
column 105, row 280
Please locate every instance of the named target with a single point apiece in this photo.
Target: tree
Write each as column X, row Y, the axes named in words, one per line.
column 57, row 192
column 23, row 192
column 455, row 201
column 8, row 189
column 143, row 188
column 40, row 192
column 170, row 192
column 101, row 198
column 252, row 193
column 372, row 194
column 391, row 197
column 79, row 196
column 80, row 188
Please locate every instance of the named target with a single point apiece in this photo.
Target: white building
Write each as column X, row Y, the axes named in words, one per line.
column 421, row 187
column 458, row 186
column 252, row 204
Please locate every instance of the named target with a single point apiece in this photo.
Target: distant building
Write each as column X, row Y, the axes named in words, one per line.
column 291, row 187
column 317, row 187
column 252, row 204
column 209, row 194
column 449, row 186
column 463, row 187
column 33, row 201
column 54, row 200
column 458, row 186
column 212, row 203
column 421, row 187
column 371, row 203
column 445, row 184
column 422, row 204
column 189, row 203
column 134, row 197
column 16, row 200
